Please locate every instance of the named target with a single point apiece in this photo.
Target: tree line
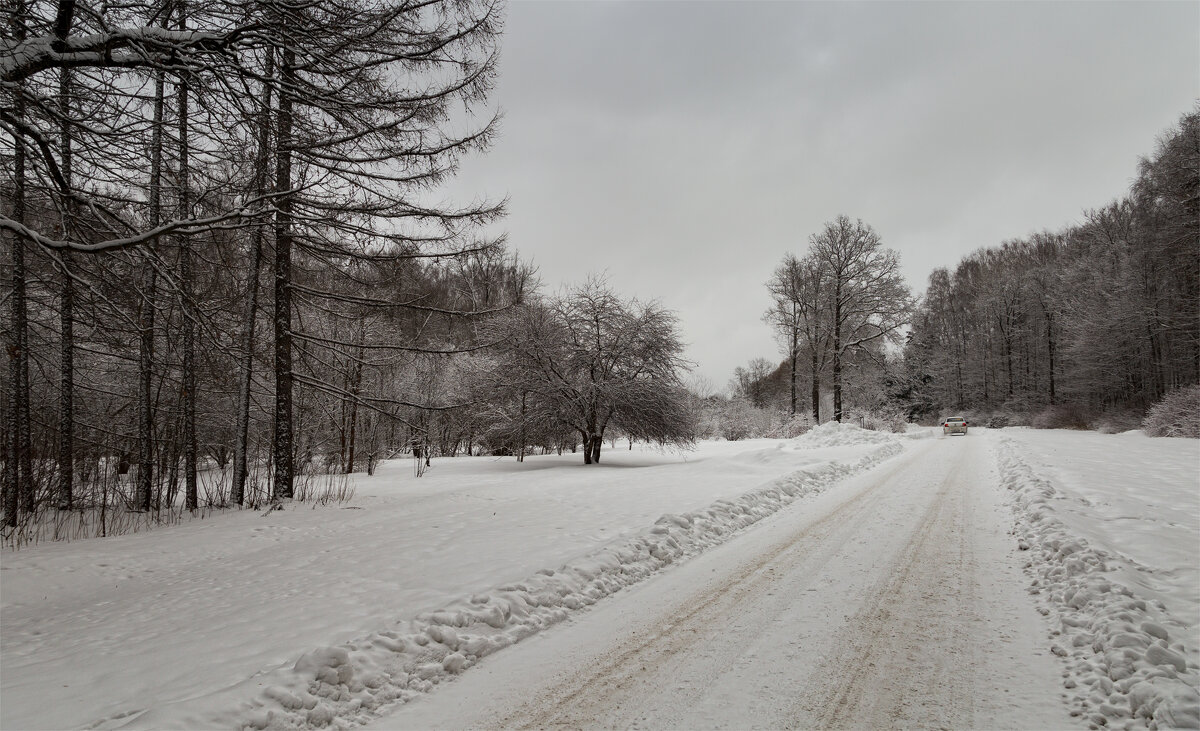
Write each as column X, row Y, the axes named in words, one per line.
column 1102, row 317
column 1087, row 326
column 165, row 158
column 227, row 251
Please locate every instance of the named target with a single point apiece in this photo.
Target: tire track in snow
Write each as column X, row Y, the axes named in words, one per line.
column 768, row 630
column 585, row 698
column 867, row 687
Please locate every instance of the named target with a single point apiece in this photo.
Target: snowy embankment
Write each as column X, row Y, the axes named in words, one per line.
column 217, row 623
column 1112, row 527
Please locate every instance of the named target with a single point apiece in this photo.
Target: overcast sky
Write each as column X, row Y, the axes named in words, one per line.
column 684, row 147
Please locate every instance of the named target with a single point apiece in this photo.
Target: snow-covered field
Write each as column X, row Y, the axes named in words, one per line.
column 204, row 624
column 339, row 614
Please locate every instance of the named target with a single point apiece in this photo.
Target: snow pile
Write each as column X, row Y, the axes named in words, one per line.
column 1130, row 664
column 836, row 434
column 352, row 683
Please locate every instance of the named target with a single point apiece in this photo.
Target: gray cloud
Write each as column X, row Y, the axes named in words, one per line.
column 684, row 147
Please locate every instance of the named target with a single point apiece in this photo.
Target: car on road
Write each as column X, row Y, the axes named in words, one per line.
column 955, row 425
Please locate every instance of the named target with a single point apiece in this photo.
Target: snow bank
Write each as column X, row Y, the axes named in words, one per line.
column 352, row 683
column 1129, row 663
column 835, row 434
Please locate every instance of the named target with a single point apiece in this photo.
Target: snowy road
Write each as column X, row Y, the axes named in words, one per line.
column 892, row 600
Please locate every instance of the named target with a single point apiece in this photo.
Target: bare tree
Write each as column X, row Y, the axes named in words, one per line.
column 868, row 300
column 800, row 311
column 588, row 360
column 147, row 137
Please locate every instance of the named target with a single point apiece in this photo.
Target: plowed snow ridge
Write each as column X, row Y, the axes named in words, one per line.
column 1127, row 664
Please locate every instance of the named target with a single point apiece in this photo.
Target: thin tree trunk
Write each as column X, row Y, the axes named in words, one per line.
column 795, row 355
column 521, row 431
column 837, row 356
column 816, row 387
column 282, row 483
column 147, row 306
column 246, row 374
column 19, row 492
column 355, row 387
column 1008, row 361
column 1050, row 348
column 262, row 160
column 66, row 419
column 187, row 287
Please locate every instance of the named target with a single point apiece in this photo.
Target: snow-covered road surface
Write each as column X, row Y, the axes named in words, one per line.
column 892, row 600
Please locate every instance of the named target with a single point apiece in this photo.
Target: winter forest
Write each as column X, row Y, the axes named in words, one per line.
column 232, row 276
column 1086, row 327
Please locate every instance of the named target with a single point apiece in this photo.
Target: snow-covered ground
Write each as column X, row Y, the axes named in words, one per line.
column 341, row 614
column 1112, row 527
column 892, row 599
column 204, row 624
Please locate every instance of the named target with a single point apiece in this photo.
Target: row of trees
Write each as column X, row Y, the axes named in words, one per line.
column 161, row 160
column 1101, row 316
column 226, row 248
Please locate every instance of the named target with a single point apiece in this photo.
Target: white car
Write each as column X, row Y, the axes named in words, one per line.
column 955, row 425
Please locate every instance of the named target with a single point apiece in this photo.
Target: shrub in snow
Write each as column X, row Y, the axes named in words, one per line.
column 878, row 420
column 742, row 420
column 1117, row 422
column 1176, row 415
column 1063, row 416
column 796, row 425
column 737, row 420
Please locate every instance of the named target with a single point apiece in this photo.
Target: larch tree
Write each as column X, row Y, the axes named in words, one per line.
column 158, row 154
